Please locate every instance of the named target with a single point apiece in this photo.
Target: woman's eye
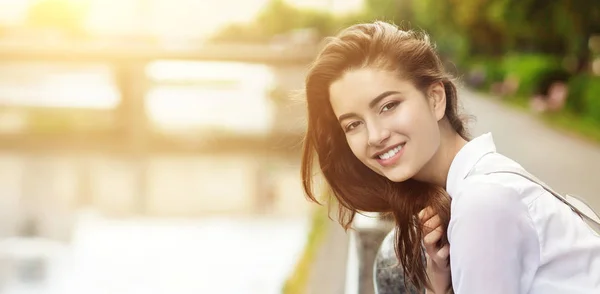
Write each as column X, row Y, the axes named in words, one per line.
column 389, row 106
column 352, row 125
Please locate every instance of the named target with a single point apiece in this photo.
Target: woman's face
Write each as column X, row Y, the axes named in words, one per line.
column 389, row 124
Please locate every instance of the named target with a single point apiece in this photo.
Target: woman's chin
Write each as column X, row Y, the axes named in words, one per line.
column 397, row 176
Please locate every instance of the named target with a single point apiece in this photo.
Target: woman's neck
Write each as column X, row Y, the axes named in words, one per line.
column 436, row 170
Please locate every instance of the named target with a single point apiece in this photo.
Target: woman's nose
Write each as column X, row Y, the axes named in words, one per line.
column 378, row 136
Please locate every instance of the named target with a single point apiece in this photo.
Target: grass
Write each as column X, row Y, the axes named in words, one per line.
column 298, row 280
column 580, row 127
column 565, row 121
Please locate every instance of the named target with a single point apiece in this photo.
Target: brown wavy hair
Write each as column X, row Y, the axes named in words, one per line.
column 411, row 56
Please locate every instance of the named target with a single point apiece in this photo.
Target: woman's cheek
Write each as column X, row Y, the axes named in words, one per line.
column 356, row 146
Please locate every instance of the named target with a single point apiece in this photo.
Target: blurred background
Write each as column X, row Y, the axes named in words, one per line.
column 152, row 146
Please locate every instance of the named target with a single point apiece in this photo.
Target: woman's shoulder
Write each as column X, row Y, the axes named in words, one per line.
column 485, row 197
column 484, row 191
column 488, row 204
column 498, row 186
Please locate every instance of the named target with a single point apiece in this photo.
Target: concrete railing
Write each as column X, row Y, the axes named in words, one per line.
column 368, row 231
column 372, row 262
column 388, row 276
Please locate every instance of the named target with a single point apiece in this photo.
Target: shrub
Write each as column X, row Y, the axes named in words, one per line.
column 530, row 70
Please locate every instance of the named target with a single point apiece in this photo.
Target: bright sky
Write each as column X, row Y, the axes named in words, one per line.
column 172, row 17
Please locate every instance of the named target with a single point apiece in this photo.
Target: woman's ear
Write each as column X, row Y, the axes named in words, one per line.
column 437, row 100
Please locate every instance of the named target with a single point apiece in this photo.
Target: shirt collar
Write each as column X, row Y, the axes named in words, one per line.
column 466, row 158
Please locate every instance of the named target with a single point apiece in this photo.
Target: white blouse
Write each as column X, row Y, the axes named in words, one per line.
column 509, row 235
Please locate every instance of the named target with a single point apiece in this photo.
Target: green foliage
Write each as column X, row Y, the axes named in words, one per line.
column 279, row 17
column 489, row 69
column 496, row 26
column 591, row 99
column 577, row 87
column 529, row 69
column 576, row 125
column 388, row 10
column 559, row 27
column 461, row 28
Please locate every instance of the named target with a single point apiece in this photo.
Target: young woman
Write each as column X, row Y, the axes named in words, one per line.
column 384, row 128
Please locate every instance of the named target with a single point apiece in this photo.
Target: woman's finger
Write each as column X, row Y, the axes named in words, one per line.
column 431, row 224
column 425, row 214
column 432, row 238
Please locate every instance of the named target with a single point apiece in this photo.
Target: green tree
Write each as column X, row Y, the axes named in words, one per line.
column 397, row 11
column 278, row 17
column 559, row 27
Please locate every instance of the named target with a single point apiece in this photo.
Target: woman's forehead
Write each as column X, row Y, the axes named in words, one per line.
column 358, row 87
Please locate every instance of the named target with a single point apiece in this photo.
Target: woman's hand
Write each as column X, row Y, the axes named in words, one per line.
column 438, row 265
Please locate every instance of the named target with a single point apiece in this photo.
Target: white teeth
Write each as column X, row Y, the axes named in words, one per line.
column 390, row 153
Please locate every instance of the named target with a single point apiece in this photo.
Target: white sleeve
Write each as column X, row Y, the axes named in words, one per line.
column 494, row 247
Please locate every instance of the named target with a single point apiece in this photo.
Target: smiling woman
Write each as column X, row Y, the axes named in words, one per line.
column 379, row 101
column 384, row 126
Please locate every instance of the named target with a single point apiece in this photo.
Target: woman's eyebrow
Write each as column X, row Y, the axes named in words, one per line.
column 372, row 104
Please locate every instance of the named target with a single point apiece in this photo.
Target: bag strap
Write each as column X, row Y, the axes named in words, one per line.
column 588, row 214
